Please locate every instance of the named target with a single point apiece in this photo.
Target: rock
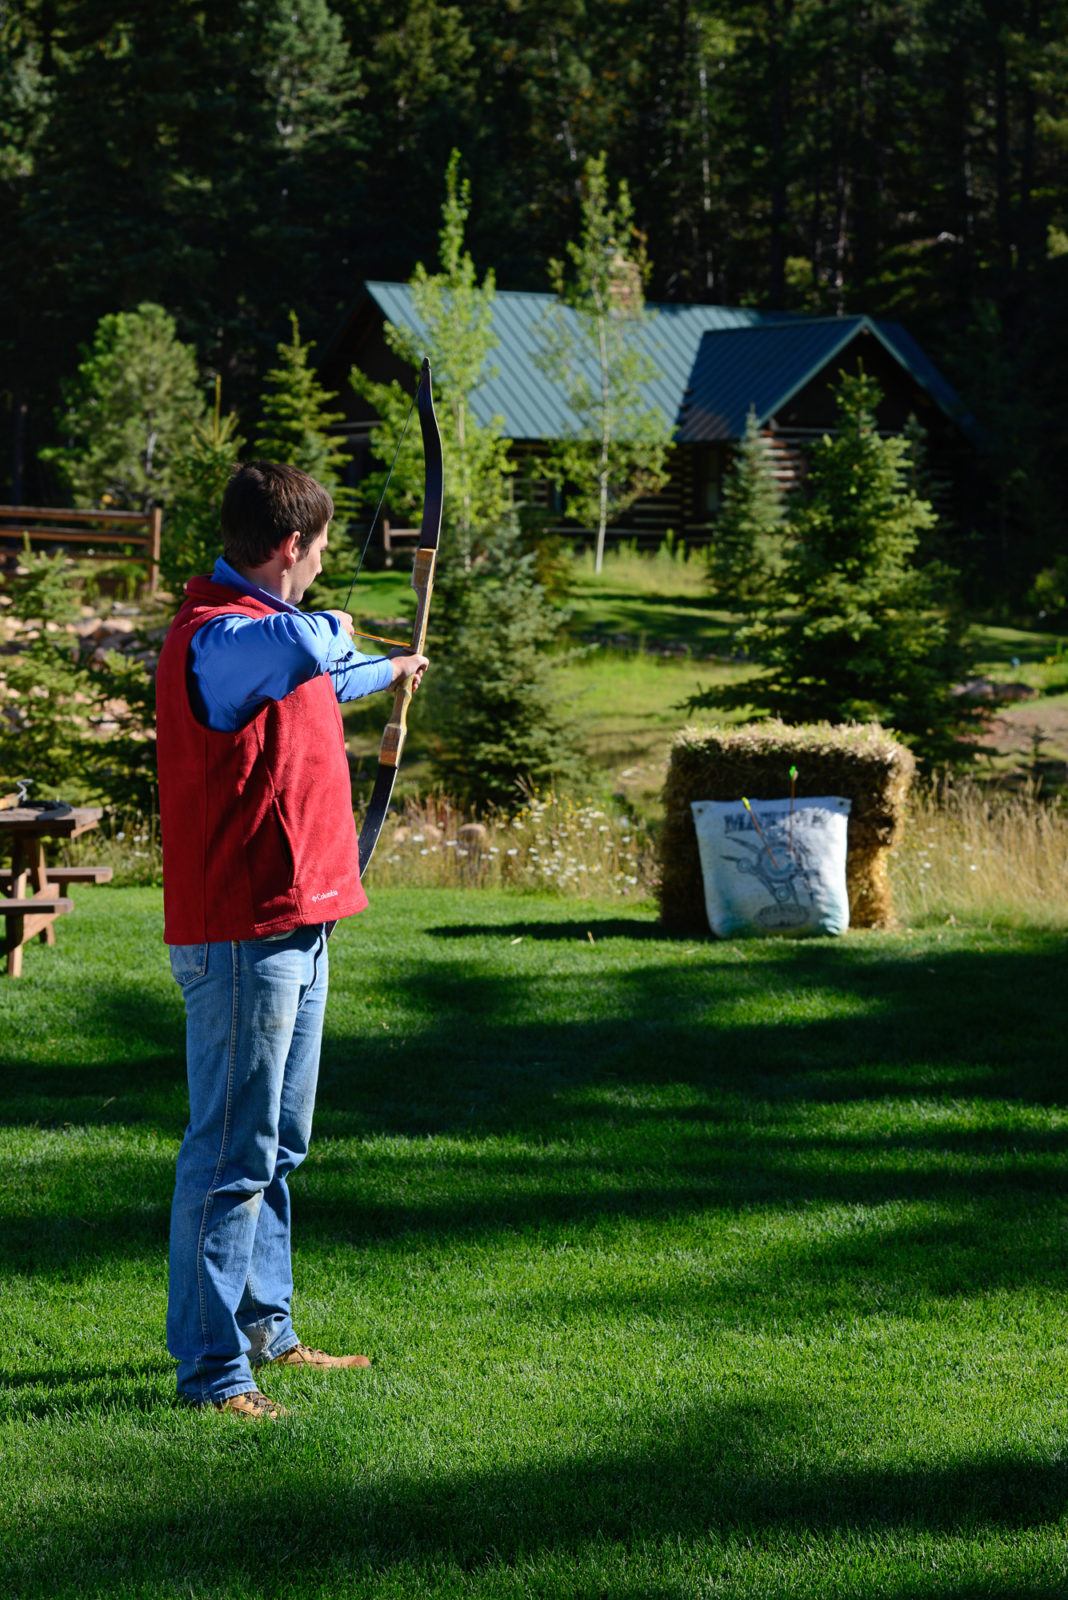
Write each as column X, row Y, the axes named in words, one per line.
column 1012, row 692
column 111, row 627
column 472, row 837
column 987, row 691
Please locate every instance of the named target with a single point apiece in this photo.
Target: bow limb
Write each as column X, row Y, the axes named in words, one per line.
column 396, row 729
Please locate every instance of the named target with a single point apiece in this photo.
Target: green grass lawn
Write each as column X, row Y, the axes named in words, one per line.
column 627, row 699
column 646, row 635
column 688, row 1269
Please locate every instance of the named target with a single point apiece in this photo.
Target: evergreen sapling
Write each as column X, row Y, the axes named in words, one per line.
column 298, row 426
column 497, row 732
column 191, row 531
column 855, row 629
column 749, row 524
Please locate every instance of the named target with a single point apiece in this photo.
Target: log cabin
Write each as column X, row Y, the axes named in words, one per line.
column 714, row 363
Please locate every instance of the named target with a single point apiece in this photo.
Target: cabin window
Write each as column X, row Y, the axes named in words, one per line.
column 711, row 467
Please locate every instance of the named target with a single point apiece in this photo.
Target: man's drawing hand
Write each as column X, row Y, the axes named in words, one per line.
column 344, row 619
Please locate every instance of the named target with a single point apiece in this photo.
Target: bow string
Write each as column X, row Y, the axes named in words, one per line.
column 396, row 729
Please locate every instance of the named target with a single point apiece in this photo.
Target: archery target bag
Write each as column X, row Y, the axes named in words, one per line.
column 773, row 870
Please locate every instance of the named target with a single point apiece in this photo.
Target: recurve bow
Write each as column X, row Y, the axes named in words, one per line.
column 396, row 729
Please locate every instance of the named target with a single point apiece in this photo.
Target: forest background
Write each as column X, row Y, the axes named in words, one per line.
column 905, row 158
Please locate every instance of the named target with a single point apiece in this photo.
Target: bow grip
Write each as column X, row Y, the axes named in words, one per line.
column 396, row 729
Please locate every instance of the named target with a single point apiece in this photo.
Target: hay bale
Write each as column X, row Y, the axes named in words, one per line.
column 859, row 761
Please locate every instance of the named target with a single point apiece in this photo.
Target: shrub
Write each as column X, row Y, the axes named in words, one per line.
column 1049, row 594
column 298, row 426
column 749, row 523
column 192, row 535
column 497, row 726
column 855, row 630
column 74, row 720
column 133, row 400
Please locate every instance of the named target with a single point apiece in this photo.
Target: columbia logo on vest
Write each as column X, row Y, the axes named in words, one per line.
column 327, row 894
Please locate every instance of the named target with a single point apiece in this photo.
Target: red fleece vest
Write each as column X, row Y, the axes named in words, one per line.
column 258, row 831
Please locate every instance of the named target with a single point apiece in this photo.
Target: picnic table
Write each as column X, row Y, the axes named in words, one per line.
column 28, row 891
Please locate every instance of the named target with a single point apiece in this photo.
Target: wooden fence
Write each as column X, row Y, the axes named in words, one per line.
column 49, row 525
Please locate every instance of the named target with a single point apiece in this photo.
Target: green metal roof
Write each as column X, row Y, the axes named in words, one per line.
column 714, row 362
column 765, row 367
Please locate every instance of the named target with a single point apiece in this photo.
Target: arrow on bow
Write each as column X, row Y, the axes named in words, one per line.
column 396, row 729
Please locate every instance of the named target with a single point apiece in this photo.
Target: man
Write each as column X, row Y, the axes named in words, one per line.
column 259, row 850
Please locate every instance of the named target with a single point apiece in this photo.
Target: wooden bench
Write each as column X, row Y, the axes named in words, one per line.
column 51, row 525
column 394, row 538
column 29, row 904
column 28, row 915
column 79, row 875
column 60, row 876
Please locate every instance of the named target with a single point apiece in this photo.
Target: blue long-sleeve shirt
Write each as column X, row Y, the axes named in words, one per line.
column 238, row 663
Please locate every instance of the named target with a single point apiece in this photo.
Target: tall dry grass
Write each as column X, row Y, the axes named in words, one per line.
column 672, row 569
column 560, row 845
column 127, row 842
column 563, row 846
column 971, row 853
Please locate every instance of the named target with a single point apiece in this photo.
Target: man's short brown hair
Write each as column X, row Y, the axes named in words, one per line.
column 263, row 503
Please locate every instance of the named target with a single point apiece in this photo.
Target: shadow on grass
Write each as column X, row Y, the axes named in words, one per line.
column 91, row 1391
column 740, row 1473
column 574, row 1099
column 894, row 1264
column 511, row 1052
column 654, row 1092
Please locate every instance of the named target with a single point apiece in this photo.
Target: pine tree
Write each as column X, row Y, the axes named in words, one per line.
column 297, row 425
column 191, row 530
column 135, row 398
column 490, row 698
column 41, row 729
column 856, row 630
column 78, row 726
column 748, row 525
column 309, row 80
column 496, row 727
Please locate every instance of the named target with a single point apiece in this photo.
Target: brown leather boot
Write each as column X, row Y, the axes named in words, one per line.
column 302, row 1355
column 252, row 1404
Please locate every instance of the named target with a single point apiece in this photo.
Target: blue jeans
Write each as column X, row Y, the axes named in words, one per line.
column 254, row 1022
